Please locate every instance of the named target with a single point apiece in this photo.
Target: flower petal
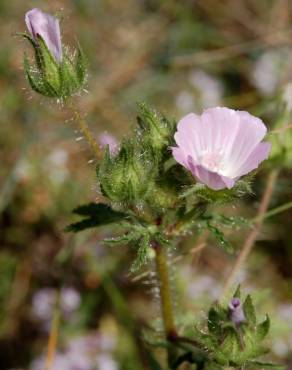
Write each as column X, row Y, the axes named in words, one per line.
column 234, row 133
column 250, row 132
column 188, row 136
column 259, row 154
column 180, row 157
column 47, row 26
column 213, row 180
column 219, row 129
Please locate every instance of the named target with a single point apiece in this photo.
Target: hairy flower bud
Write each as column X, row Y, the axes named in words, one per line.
column 156, row 129
column 55, row 74
column 127, row 176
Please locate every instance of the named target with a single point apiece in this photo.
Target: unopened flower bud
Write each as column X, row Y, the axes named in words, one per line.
column 156, row 129
column 236, row 313
column 55, row 74
column 127, row 176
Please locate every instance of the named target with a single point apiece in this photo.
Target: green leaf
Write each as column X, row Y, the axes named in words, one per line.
column 97, row 215
column 219, row 235
column 37, row 51
column 249, row 310
column 142, row 254
column 122, row 239
column 263, row 328
column 235, row 222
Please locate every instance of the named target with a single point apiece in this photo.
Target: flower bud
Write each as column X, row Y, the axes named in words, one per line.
column 128, row 175
column 236, row 313
column 157, row 131
column 55, row 74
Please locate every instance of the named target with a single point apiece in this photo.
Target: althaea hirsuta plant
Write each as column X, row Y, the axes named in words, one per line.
column 158, row 186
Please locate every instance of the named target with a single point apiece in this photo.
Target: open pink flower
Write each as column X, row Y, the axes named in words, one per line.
column 220, row 146
column 47, row 26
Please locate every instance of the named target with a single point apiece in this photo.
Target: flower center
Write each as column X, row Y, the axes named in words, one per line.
column 212, row 161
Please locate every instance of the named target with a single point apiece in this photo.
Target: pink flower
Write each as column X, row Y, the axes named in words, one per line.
column 220, row 146
column 46, row 26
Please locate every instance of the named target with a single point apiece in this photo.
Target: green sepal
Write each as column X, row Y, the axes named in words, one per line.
column 237, row 293
column 48, row 65
column 80, row 66
column 249, row 311
column 201, row 191
column 263, row 328
column 157, row 130
column 34, row 79
column 51, row 78
column 128, row 176
column 215, row 320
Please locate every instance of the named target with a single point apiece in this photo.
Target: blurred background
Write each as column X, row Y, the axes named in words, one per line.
column 179, row 56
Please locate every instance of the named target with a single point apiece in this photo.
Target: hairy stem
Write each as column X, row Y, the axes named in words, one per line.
column 83, row 127
column 251, row 238
column 165, row 297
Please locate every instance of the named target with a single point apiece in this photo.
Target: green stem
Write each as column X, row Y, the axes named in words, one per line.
column 82, row 124
column 165, row 298
column 276, row 210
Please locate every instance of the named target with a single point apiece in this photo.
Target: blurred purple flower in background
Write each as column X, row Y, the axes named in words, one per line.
column 70, row 300
column 220, row 146
column 46, row 26
column 108, row 139
column 44, row 300
column 209, row 88
column 81, row 353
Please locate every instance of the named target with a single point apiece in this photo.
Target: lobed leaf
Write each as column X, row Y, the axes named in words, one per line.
column 97, row 215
